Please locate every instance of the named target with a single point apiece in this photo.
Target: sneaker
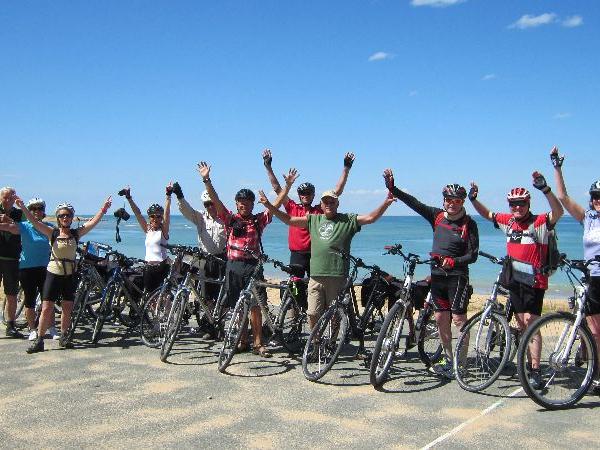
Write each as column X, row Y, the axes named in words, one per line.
column 595, row 388
column 12, row 332
column 535, row 379
column 444, row 368
column 36, row 346
column 52, row 333
column 32, row 335
column 64, row 343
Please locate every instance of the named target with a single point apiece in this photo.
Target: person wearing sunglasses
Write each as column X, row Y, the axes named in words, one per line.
column 299, row 238
column 527, row 246
column 455, row 246
column 35, row 254
column 60, row 274
column 10, row 250
column 156, row 230
column 589, row 218
column 244, row 231
column 212, row 238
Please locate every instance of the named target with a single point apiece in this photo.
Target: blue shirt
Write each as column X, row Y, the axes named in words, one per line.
column 36, row 247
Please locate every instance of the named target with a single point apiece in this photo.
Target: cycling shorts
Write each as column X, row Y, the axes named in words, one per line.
column 526, row 299
column 9, row 275
column 451, row 293
column 592, row 305
column 32, row 282
column 301, row 259
column 58, row 287
column 238, row 275
column 154, row 274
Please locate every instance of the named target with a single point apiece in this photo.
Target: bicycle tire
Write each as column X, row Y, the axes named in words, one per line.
column 104, row 311
column 79, row 302
column 429, row 345
column 292, row 325
column 570, row 378
column 239, row 319
column 155, row 313
column 488, row 343
column 388, row 342
column 325, row 343
column 173, row 324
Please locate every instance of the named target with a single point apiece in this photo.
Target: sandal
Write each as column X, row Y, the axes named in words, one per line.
column 262, row 351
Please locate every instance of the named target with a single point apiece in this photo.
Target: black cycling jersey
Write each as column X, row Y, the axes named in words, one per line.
column 458, row 239
column 10, row 244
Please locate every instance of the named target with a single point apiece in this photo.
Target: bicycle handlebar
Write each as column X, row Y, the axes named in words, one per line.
column 492, row 258
column 358, row 262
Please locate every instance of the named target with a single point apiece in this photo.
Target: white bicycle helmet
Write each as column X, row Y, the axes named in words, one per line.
column 36, row 201
column 205, row 197
column 67, row 206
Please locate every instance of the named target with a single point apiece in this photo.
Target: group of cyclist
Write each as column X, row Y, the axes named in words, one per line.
column 42, row 256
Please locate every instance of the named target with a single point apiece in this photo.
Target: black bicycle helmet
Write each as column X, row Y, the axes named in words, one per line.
column 155, row 208
column 595, row 187
column 245, row 194
column 454, row 191
column 306, row 189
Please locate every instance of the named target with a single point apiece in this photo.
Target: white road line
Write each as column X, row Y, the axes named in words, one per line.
column 470, row 421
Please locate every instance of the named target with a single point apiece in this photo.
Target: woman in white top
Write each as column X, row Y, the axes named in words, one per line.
column 157, row 235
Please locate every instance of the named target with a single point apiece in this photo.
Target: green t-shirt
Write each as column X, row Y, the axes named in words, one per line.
column 326, row 233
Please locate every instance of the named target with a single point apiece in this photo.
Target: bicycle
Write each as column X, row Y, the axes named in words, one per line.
column 288, row 325
column 330, row 333
column 394, row 338
column 479, row 362
column 191, row 299
column 122, row 295
column 567, row 349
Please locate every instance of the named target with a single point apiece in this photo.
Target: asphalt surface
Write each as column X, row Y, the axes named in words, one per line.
column 119, row 394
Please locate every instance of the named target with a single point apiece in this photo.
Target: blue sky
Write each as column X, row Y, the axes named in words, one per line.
column 95, row 95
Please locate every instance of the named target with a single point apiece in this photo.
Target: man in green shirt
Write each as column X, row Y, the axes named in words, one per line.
column 331, row 229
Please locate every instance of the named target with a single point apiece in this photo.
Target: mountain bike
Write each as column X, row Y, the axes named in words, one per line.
column 566, row 348
column 191, row 299
column 398, row 332
column 331, row 331
column 487, row 341
column 288, row 324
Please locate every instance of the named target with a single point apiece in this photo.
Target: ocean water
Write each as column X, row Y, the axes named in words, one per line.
column 412, row 232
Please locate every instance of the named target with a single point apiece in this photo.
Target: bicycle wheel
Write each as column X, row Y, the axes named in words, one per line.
column 564, row 380
column 239, row 320
column 370, row 322
column 79, row 303
column 482, row 350
column 173, row 324
column 105, row 310
column 292, row 325
column 429, row 344
column 392, row 340
column 154, row 317
column 325, row 343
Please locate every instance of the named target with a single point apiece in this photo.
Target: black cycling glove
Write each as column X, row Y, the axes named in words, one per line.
column 348, row 161
column 267, row 160
column 177, row 190
column 539, row 182
column 557, row 160
column 473, row 193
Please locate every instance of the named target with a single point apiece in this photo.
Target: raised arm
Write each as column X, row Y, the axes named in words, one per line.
column 479, row 207
column 570, row 205
column 204, row 171
column 136, row 211
column 41, row 227
column 290, row 178
column 183, row 205
column 429, row 213
column 539, row 182
column 90, row 224
column 300, row 222
column 376, row 213
column 167, row 211
column 348, row 161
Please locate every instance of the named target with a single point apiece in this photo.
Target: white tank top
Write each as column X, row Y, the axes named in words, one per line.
column 154, row 251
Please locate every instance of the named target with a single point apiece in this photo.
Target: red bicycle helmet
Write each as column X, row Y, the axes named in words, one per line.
column 518, row 193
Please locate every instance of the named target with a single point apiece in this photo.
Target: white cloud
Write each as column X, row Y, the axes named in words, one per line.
column 413, row 93
column 528, row 21
column 380, row 56
column 572, row 21
column 435, row 3
column 488, row 76
column 563, row 115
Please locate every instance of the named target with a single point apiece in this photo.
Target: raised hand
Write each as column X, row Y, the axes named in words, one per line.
column 107, row 204
column 349, row 160
column 262, row 198
column 204, row 170
column 126, row 191
column 177, row 190
column 291, row 176
column 169, row 189
column 557, row 160
column 539, row 182
column 390, row 198
column 19, row 202
column 473, row 191
column 388, row 178
column 267, row 157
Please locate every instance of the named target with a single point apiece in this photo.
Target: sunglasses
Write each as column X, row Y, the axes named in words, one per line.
column 65, row 216
column 37, row 208
column 156, row 216
column 306, row 193
column 208, row 204
column 595, row 196
column 453, row 200
column 516, row 204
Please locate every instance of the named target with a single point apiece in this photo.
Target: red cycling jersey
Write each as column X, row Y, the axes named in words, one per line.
column 299, row 238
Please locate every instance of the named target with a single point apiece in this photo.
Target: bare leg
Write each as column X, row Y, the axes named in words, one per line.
column 594, row 325
column 30, row 316
column 459, row 321
column 10, row 309
column 443, row 322
column 256, row 323
column 65, row 317
column 46, row 318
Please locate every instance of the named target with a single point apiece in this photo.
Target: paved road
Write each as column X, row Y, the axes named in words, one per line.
column 119, row 395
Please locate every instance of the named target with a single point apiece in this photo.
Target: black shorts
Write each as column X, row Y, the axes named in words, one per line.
column 32, row 282
column 592, row 304
column 526, row 299
column 9, row 275
column 154, row 274
column 301, row 259
column 237, row 278
column 451, row 293
column 216, row 270
column 59, row 287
